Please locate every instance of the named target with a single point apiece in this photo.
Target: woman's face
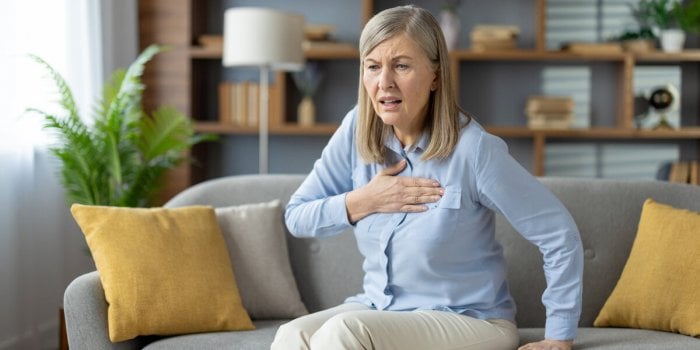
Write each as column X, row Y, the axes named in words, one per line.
column 399, row 77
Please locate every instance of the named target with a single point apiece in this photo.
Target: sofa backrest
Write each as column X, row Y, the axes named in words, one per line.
column 326, row 270
column 606, row 212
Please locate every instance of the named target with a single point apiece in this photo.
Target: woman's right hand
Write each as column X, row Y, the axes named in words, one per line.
column 387, row 193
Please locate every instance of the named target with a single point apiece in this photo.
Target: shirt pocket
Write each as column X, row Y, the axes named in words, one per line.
column 451, row 199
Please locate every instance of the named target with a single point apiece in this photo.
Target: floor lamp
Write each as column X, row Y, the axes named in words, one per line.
column 270, row 40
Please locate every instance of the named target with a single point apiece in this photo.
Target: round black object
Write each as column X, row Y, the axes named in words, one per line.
column 661, row 98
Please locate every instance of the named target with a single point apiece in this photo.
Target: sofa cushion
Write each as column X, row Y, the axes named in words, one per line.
column 258, row 249
column 164, row 271
column 261, row 339
column 659, row 283
column 590, row 338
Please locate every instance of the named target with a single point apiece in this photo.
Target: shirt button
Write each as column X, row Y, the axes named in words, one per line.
column 387, row 291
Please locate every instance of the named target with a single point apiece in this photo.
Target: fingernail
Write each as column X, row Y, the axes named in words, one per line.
column 436, row 184
column 442, row 191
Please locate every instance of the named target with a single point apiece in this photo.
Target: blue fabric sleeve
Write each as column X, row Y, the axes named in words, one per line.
column 317, row 208
column 506, row 187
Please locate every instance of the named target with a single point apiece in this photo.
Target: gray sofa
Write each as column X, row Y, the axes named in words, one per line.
column 327, row 271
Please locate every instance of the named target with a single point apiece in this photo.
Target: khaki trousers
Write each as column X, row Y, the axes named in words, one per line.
column 354, row 326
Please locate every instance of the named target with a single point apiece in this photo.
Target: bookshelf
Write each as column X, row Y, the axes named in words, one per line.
column 187, row 73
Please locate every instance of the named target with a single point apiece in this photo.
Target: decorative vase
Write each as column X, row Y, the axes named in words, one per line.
column 672, row 40
column 306, row 112
column 449, row 23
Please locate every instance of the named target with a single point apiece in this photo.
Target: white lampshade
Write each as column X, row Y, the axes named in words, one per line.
column 263, row 37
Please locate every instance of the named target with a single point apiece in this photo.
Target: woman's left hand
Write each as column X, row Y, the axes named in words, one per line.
column 549, row 345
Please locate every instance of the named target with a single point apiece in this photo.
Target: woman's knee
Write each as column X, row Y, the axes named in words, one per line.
column 343, row 331
column 291, row 336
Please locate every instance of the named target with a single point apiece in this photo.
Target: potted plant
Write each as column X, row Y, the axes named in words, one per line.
column 119, row 158
column 670, row 18
column 642, row 40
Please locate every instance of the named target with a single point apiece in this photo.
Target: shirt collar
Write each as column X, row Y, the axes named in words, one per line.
column 394, row 144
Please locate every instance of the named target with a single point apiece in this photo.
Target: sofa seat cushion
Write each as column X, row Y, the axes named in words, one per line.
column 619, row 339
column 260, row 338
column 588, row 339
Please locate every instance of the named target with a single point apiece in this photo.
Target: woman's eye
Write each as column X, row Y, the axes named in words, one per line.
column 401, row 66
column 372, row 67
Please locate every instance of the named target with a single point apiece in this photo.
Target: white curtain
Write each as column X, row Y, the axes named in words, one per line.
column 41, row 249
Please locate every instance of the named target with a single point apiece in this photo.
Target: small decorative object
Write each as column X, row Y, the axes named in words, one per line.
column 119, row 159
column 450, row 24
column 318, row 32
column 307, row 81
column 494, row 37
column 664, row 99
column 669, row 19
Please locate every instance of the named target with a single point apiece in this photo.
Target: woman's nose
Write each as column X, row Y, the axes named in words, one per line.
column 386, row 79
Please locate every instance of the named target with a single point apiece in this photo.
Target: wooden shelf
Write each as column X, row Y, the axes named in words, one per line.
column 596, row 133
column 285, row 129
column 321, row 53
column 689, row 133
column 692, row 55
column 533, row 55
column 615, row 133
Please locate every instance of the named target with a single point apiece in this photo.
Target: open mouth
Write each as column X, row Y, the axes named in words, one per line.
column 390, row 103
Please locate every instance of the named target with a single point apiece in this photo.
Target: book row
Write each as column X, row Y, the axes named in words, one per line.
column 239, row 103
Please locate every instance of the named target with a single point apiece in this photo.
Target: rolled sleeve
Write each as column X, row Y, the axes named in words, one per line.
column 561, row 328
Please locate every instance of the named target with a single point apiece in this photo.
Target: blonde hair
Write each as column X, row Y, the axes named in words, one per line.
column 442, row 122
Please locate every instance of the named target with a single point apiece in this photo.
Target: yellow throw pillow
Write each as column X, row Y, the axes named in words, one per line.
column 164, row 271
column 658, row 288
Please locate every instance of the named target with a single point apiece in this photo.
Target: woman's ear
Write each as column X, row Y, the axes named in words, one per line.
column 436, row 81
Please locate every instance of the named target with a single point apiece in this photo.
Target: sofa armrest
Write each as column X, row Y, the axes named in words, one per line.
column 85, row 311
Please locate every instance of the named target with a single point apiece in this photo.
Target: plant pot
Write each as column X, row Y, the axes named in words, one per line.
column 639, row 45
column 306, row 112
column 449, row 23
column 672, row 40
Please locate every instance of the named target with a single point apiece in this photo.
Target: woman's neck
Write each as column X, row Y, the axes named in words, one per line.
column 407, row 138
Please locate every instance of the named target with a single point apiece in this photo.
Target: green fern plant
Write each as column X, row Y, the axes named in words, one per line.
column 120, row 158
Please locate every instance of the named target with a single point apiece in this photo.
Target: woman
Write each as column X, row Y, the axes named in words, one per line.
column 419, row 182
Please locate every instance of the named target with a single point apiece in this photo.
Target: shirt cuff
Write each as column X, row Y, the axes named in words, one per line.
column 335, row 211
column 561, row 328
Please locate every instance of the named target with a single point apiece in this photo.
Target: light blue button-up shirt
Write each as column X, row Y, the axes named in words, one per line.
column 446, row 258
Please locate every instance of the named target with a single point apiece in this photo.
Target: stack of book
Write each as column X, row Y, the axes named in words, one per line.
column 549, row 112
column 239, row 103
column 593, row 48
column 494, row 37
column 685, row 172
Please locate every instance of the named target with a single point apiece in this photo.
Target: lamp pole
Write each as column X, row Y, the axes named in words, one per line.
column 263, row 125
